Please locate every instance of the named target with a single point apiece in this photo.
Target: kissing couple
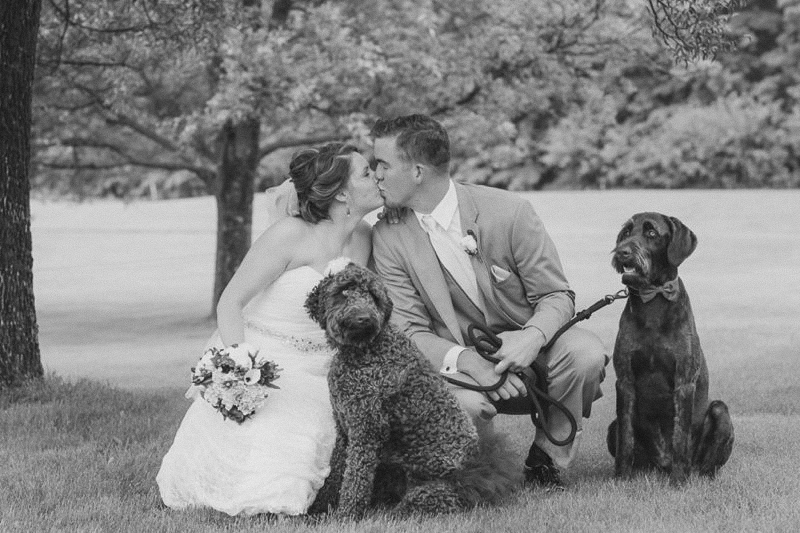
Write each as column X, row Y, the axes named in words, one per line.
column 510, row 279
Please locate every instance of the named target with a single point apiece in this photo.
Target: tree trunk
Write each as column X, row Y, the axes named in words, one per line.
column 235, row 183
column 19, row 343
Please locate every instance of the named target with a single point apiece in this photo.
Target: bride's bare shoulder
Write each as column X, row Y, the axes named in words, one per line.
column 283, row 233
column 289, row 226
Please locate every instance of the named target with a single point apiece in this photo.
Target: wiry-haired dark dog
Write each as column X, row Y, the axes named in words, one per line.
column 394, row 414
column 664, row 420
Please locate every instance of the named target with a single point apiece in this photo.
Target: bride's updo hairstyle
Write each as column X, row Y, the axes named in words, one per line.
column 318, row 174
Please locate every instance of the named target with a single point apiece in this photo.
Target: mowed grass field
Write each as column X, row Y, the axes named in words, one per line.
column 123, row 295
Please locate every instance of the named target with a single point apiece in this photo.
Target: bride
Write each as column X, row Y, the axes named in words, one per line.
column 276, row 461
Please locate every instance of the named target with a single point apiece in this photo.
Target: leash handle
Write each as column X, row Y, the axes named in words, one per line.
column 538, row 397
column 486, row 343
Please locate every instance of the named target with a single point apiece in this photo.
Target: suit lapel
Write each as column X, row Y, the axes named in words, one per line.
column 431, row 279
column 469, row 222
column 481, row 262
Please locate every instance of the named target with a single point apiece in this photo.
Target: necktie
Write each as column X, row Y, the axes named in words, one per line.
column 454, row 259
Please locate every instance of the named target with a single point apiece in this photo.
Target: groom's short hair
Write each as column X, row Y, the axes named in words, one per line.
column 419, row 138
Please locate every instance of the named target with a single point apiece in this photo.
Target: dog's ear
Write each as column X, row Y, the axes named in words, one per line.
column 381, row 295
column 315, row 301
column 682, row 242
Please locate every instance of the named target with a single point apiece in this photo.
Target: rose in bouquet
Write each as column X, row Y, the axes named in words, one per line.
column 235, row 380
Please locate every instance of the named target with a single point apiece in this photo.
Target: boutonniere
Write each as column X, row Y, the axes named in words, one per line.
column 470, row 244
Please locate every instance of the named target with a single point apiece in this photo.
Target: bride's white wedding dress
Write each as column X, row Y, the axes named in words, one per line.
column 277, row 460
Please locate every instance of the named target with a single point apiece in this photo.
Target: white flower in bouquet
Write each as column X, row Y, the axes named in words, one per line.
column 229, row 398
column 211, row 395
column 206, row 363
column 252, row 376
column 240, row 354
column 224, row 378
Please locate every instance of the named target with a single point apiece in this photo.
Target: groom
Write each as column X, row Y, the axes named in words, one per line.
column 508, row 278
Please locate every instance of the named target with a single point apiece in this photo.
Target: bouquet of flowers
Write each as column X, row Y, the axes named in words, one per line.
column 234, row 380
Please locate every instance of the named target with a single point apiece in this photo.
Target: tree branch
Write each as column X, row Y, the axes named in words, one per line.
column 82, row 166
column 463, row 101
column 122, row 119
column 204, row 173
column 206, row 176
column 68, row 21
column 83, row 63
column 268, row 148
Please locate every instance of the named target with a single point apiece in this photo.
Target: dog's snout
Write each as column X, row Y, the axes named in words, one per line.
column 361, row 320
column 623, row 252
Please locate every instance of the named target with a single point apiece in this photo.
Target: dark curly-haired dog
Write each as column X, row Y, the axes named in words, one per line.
column 395, row 417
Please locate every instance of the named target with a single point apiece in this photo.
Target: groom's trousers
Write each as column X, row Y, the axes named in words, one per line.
column 576, row 367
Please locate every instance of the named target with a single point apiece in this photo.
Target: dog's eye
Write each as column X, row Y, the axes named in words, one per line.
column 651, row 234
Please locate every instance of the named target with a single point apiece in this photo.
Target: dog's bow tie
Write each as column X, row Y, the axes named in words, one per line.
column 669, row 290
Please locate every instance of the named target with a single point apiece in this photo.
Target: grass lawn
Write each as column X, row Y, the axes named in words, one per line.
column 123, row 292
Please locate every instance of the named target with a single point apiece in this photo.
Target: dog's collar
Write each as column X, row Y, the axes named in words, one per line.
column 669, row 290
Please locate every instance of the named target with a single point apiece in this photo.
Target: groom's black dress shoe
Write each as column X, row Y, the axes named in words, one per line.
column 540, row 470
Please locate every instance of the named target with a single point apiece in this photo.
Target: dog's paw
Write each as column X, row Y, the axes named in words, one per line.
column 623, row 470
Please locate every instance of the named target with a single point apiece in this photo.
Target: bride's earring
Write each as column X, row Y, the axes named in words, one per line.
column 344, row 197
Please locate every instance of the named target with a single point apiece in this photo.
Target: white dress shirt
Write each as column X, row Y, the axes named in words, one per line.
column 443, row 226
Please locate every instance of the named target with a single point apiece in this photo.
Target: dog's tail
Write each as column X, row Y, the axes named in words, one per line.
column 491, row 475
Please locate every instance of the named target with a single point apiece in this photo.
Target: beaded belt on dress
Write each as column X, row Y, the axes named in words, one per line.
column 299, row 343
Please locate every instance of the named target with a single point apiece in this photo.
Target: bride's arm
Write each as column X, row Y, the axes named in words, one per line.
column 267, row 258
column 360, row 250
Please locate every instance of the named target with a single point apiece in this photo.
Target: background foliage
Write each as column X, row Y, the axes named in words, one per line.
column 724, row 124
column 131, row 96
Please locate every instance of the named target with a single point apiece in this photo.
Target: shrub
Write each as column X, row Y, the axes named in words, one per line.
column 735, row 142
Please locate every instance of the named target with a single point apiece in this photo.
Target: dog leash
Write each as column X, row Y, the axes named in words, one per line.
column 608, row 299
column 534, row 377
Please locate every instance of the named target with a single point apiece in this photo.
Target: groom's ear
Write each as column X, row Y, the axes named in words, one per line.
column 315, row 302
column 419, row 173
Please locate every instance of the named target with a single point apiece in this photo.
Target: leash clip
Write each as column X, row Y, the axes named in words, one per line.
column 620, row 294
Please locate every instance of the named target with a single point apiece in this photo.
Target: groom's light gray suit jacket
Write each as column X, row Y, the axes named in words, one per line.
column 517, row 269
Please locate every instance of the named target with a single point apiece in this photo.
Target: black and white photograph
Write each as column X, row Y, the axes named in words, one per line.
column 399, row 265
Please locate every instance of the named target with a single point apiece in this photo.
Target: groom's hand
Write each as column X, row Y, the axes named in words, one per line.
column 519, row 349
column 484, row 374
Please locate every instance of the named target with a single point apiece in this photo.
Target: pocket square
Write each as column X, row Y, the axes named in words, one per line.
column 500, row 274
